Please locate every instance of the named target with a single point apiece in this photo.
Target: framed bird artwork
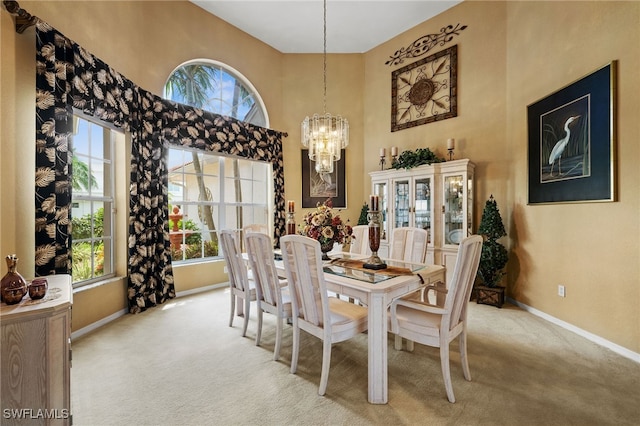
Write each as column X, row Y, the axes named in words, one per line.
column 572, row 141
column 317, row 187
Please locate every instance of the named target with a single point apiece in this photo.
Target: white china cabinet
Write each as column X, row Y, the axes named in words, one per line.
column 436, row 197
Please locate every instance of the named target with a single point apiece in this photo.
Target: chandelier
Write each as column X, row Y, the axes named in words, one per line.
column 325, row 135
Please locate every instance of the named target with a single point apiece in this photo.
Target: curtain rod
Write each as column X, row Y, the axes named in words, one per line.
column 23, row 18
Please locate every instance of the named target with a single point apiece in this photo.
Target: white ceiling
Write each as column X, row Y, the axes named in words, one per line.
column 295, row 26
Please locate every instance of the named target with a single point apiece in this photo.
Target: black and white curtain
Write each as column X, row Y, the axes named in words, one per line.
column 67, row 77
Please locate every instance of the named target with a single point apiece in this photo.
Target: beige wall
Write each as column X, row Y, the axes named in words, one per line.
column 593, row 249
column 511, row 54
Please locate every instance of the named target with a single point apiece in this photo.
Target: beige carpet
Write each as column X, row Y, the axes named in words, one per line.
column 180, row 364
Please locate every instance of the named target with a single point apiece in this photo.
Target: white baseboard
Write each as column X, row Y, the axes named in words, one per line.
column 589, row 336
column 94, row 326
column 201, row 289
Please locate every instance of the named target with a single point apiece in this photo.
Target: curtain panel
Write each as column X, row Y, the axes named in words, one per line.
column 67, row 77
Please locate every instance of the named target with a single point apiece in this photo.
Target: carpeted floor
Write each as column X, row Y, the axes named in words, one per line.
column 180, row 364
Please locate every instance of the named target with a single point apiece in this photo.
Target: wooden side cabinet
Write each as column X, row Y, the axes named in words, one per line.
column 36, row 357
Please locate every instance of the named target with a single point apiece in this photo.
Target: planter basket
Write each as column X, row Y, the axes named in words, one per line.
column 493, row 296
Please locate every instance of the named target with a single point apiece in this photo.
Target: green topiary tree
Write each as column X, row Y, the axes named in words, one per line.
column 494, row 255
column 362, row 220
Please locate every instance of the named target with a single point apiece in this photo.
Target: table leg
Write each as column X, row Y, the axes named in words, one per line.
column 378, row 380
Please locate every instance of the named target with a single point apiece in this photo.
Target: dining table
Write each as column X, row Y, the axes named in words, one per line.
column 345, row 275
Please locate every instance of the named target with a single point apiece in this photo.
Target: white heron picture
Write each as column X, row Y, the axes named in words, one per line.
column 565, row 146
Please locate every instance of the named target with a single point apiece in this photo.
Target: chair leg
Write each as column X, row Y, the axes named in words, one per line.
column 446, row 372
column 247, row 306
column 296, row 346
column 276, row 350
column 397, row 344
column 233, row 308
column 259, row 332
column 326, row 362
column 410, row 345
column 464, row 359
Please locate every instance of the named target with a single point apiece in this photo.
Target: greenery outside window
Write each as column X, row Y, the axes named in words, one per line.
column 93, row 205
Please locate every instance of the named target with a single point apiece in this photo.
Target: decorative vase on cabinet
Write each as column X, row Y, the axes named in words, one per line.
column 436, row 197
column 13, row 286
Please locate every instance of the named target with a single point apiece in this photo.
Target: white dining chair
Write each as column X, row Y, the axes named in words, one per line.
column 240, row 286
column 409, row 244
column 328, row 318
column 360, row 241
column 437, row 326
column 271, row 297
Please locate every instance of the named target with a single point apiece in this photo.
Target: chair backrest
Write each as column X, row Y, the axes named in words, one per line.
column 360, row 242
column 409, row 244
column 236, row 268
column 464, row 274
column 303, row 264
column 256, row 227
column 261, row 260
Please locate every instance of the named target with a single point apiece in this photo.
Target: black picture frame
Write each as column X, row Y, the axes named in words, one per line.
column 425, row 91
column 316, row 190
column 578, row 165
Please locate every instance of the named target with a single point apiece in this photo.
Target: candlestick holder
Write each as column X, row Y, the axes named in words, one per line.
column 291, row 223
column 374, row 261
column 394, row 158
column 382, row 161
column 450, row 153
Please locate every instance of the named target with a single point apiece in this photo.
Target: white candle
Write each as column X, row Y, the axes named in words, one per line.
column 394, row 151
column 383, row 152
column 451, row 143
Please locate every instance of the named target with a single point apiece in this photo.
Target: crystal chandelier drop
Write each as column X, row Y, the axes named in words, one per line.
column 325, row 135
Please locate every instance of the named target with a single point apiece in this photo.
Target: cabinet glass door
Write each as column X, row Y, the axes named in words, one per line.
column 380, row 189
column 401, row 200
column 422, row 209
column 453, row 209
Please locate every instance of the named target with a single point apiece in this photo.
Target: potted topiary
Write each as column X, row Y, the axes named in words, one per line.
column 364, row 212
column 494, row 256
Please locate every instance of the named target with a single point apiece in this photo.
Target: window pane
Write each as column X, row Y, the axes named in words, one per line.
column 97, row 173
column 216, row 88
column 92, row 212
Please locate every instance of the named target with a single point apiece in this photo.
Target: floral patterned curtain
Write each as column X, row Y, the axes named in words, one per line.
column 68, row 76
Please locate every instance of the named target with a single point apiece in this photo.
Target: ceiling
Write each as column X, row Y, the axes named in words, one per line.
column 295, row 26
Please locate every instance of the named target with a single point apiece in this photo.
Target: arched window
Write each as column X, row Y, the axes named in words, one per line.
column 217, row 88
column 207, row 191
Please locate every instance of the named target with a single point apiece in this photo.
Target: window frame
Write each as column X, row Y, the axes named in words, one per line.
column 221, row 203
column 108, row 199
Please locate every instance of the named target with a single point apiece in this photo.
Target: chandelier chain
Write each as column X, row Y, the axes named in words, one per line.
column 324, row 71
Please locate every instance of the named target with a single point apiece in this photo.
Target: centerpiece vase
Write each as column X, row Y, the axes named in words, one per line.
column 325, row 248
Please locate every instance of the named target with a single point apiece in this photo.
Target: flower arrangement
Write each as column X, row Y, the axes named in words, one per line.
column 326, row 227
